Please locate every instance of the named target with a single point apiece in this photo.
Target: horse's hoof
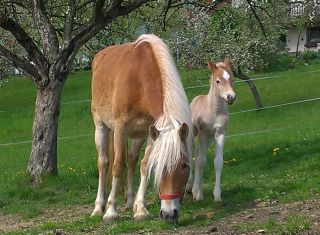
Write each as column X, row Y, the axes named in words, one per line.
column 217, row 199
column 129, row 206
column 96, row 212
column 108, row 218
column 197, row 195
column 142, row 214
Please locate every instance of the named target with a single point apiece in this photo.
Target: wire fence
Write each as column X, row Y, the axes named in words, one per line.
column 90, row 135
column 232, row 113
column 186, row 88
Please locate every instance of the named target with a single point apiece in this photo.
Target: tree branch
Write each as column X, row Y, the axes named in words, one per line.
column 21, row 63
column 25, row 41
column 69, row 22
column 257, row 18
column 85, row 33
column 46, row 30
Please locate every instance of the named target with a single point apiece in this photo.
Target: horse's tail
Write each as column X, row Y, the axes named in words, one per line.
column 110, row 155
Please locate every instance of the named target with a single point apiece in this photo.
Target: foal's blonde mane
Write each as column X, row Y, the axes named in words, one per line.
column 167, row 149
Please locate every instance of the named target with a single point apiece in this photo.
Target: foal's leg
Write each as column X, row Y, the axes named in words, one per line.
column 200, row 162
column 119, row 164
column 101, row 140
column 218, row 161
column 133, row 157
column 139, row 204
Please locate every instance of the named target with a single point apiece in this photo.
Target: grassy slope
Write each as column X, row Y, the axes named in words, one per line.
column 253, row 170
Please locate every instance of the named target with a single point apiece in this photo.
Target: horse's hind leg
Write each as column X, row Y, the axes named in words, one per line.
column 200, row 163
column 101, row 133
column 119, row 165
column 133, row 157
column 218, row 161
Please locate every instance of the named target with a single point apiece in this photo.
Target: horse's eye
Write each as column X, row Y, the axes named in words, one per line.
column 217, row 81
column 185, row 165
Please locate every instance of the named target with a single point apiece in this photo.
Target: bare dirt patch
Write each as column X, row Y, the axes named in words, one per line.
column 260, row 214
column 234, row 224
column 9, row 223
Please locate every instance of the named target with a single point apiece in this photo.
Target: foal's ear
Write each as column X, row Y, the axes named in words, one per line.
column 212, row 66
column 227, row 63
column 154, row 133
column 184, row 131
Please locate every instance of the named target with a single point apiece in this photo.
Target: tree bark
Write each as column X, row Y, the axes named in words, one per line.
column 253, row 88
column 297, row 51
column 43, row 157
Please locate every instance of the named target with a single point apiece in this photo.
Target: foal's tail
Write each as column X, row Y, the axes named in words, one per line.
column 110, row 155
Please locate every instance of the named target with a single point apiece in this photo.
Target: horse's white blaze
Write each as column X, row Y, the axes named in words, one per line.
column 226, row 75
column 169, row 206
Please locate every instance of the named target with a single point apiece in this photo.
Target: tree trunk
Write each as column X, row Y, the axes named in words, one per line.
column 43, row 157
column 297, row 51
column 253, row 88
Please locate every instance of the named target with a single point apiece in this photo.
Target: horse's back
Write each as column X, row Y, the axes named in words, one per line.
column 126, row 82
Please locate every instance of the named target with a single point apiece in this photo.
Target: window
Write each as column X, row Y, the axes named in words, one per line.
column 313, row 35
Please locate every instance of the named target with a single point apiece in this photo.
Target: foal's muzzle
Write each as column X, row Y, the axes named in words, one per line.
column 231, row 99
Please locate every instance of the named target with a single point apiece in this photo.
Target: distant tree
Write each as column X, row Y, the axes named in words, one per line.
column 247, row 33
column 49, row 34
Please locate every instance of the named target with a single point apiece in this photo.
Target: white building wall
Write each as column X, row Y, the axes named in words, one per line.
column 292, row 39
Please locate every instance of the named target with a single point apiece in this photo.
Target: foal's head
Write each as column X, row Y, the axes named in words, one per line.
column 222, row 78
column 171, row 166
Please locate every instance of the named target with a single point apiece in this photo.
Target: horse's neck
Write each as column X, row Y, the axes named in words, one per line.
column 215, row 102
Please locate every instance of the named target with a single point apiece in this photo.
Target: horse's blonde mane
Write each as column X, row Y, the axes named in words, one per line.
column 167, row 149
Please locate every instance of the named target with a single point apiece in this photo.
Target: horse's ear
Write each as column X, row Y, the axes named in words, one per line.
column 184, row 131
column 227, row 63
column 154, row 133
column 212, row 66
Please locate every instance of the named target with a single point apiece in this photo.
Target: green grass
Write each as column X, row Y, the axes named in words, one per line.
column 293, row 224
column 253, row 169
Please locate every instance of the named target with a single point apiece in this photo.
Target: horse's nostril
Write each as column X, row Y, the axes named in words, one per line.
column 175, row 213
column 229, row 97
column 161, row 215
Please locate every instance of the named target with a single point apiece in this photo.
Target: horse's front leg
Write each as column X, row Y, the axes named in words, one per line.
column 200, row 163
column 119, row 165
column 139, row 207
column 101, row 141
column 218, row 161
column 133, row 157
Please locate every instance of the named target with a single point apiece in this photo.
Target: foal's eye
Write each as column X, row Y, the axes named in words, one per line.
column 217, row 81
column 185, row 165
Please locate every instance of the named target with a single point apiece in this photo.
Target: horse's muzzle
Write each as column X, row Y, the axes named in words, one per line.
column 173, row 217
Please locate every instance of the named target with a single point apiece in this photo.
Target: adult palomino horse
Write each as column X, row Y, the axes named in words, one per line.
column 137, row 94
column 210, row 118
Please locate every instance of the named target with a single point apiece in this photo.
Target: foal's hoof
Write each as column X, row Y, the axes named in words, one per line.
column 110, row 218
column 217, row 199
column 197, row 196
column 142, row 214
column 96, row 212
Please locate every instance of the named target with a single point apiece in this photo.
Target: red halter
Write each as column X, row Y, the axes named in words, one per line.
column 170, row 196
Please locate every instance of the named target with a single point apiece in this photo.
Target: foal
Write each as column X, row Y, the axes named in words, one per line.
column 210, row 118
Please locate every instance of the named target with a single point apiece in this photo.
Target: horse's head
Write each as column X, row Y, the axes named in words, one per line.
column 171, row 167
column 222, row 79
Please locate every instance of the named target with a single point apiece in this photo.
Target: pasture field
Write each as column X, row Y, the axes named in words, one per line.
column 271, row 162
